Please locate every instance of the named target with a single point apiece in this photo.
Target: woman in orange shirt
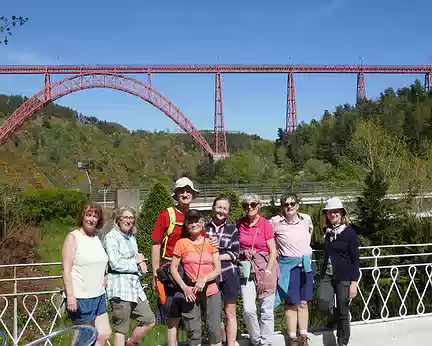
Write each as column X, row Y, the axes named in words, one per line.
column 201, row 266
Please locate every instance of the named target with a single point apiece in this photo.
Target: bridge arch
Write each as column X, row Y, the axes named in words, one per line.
column 100, row 80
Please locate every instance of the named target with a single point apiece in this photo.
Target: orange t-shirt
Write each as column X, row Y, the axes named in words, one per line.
column 190, row 254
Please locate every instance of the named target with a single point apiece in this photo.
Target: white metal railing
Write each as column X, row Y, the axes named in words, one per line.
column 392, row 285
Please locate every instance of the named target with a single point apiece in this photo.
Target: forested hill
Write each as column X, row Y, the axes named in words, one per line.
column 57, row 138
column 392, row 133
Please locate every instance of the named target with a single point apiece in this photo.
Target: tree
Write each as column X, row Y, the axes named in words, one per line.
column 376, row 149
column 377, row 215
column 157, row 200
column 6, row 26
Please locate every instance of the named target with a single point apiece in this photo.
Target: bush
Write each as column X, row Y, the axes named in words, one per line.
column 157, row 200
column 40, row 206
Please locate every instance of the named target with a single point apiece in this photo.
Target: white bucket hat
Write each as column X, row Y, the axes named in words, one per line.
column 333, row 204
column 183, row 182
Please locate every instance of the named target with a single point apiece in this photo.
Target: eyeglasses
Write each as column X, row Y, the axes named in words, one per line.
column 334, row 211
column 253, row 205
column 291, row 204
column 124, row 218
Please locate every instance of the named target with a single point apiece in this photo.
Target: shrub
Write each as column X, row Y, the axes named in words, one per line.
column 62, row 205
column 157, row 200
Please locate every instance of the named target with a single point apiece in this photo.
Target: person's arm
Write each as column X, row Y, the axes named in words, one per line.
column 157, row 238
column 271, row 245
column 354, row 254
column 116, row 260
column 188, row 290
column 68, row 256
column 233, row 252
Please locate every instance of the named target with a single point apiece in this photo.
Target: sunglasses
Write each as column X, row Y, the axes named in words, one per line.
column 253, row 205
column 291, row 204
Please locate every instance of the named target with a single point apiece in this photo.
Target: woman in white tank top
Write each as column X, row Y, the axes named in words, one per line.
column 84, row 268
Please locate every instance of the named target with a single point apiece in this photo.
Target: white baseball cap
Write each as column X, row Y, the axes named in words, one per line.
column 183, row 182
column 334, row 203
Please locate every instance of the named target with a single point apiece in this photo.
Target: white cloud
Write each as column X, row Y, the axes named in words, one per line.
column 20, row 57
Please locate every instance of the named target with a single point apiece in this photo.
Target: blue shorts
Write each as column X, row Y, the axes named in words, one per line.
column 301, row 286
column 229, row 288
column 88, row 309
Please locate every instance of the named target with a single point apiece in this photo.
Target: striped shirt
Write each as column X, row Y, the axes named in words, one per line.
column 121, row 250
column 229, row 243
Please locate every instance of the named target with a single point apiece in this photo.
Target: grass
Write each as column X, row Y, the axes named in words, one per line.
column 49, row 249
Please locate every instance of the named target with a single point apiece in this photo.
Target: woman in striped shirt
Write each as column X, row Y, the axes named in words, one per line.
column 225, row 236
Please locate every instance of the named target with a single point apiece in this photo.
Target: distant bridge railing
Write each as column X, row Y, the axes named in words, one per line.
column 395, row 283
column 309, row 192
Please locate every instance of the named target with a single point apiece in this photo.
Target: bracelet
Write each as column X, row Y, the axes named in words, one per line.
column 267, row 271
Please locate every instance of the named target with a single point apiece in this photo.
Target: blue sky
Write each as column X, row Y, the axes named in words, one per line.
column 320, row 32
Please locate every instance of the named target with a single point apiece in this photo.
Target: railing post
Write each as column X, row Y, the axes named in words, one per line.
column 15, row 308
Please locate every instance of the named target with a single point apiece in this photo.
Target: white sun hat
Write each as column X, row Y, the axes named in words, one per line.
column 333, row 204
column 183, row 182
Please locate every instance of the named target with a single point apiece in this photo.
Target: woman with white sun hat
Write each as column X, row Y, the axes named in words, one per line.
column 340, row 272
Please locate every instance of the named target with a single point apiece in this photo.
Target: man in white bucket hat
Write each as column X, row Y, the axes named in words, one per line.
column 167, row 231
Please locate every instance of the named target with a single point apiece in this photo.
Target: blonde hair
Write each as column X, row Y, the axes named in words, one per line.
column 344, row 220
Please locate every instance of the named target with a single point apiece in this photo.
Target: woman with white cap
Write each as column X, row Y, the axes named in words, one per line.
column 340, row 272
column 167, row 231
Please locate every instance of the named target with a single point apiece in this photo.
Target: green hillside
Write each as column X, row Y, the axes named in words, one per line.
column 393, row 131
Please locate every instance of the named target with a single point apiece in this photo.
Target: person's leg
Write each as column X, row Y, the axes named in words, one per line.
column 173, row 311
column 343, row 321
column 306, row 295
column 213, row 318
column 292, row 301
column 192, row 320
column 145, row 322
column 248, row 291
column 267, row 319
column 121, row 311
column 230, row 292
column 102, row 325
column 326, row 293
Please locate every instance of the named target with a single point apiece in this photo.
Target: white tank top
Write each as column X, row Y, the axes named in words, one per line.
column 88, row 267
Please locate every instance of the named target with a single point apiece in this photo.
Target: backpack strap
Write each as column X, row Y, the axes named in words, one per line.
column 170, row 230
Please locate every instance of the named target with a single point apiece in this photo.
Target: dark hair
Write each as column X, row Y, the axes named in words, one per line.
column 287, row 195
column 91, row 206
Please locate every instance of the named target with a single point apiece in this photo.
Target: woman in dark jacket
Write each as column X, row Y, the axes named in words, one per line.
column 341, row 268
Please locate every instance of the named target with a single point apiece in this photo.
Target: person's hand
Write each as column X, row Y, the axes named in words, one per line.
column 143, row 267
column 72, row 303
column 199, row 285
column 267, row 272
column 139, row 257
column 189, row 293
column 353, row 290
column 106, row 281
column 214, row 241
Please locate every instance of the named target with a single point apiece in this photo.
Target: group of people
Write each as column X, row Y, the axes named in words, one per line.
column 199, row 263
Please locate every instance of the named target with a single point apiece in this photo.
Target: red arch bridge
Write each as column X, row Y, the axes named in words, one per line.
column 115, row 77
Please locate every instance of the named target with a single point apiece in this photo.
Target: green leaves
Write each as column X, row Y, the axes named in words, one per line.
column 6, row 26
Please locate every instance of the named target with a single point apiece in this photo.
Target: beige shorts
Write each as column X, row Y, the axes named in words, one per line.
column 123, row 311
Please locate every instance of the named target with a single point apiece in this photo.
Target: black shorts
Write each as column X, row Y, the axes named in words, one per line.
column 230, row 288
column 172, row 308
